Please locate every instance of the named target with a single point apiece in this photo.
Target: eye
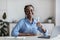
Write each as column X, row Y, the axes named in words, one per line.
column 26, row 11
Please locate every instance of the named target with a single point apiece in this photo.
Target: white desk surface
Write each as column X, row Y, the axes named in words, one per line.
column 28, row 38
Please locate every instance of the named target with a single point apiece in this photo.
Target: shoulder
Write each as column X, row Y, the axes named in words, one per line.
column 21, row 21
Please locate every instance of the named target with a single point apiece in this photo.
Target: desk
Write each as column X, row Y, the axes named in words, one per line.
column 22, row 38
column 28, row 38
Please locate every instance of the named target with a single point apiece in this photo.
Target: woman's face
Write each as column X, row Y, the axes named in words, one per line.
column 29, row 11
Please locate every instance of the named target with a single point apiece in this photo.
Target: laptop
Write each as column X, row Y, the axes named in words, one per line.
column 55, row 32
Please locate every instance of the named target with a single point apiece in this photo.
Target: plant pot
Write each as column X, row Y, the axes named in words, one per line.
column 49, row 21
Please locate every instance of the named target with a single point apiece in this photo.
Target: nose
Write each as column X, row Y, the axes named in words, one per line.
column 30, row 12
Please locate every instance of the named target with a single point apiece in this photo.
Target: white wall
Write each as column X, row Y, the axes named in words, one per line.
column 3, row 7
column 57, row 12
column 43, row 8
column 15, row 8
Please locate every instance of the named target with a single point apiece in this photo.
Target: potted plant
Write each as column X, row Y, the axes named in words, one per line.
column 4, row 29
column 4, row 16
column 50, row 19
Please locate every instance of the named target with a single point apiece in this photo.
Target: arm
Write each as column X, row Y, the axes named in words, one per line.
column 42, row 29
column 23, row 34
column 15, row 31
column 40, row 26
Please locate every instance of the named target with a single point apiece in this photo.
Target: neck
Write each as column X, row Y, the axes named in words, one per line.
column 30, row 19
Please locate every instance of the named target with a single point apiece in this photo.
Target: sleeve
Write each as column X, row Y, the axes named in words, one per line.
column 16, row 29
column 40, row 30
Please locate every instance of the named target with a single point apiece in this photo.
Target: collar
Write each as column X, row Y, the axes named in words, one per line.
column 27, row 20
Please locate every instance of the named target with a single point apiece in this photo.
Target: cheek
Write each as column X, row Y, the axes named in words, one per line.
column 26, row 13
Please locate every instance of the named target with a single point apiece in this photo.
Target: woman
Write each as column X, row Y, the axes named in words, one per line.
column 28, row 26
